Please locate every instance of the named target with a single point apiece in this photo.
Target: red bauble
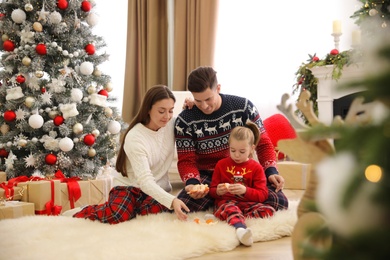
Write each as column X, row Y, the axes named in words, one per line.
column 20, row 79
column 315, row 58
column 334, row 52
column 90, row 49
column 8, row 45
column 103, row 92
column 58, row 120
column 62, row 4
column 89, row 139
column 9, row 116
column 51, row 159
column 43, row 90
column 2, row 16
column 3, row 153
column 86, row 6
column 41, row 49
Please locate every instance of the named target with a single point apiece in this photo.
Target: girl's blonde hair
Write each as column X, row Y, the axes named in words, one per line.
column 249, row 132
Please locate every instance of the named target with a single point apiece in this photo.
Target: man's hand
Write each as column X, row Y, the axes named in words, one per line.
column 276, row 181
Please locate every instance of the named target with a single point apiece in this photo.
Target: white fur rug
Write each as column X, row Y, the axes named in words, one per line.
column 159, row 236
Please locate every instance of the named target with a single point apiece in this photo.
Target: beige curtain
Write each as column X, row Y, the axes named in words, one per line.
column 194, row 40
column 195, row 23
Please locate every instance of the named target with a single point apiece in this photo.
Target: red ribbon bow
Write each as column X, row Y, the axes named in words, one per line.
column 74, row 191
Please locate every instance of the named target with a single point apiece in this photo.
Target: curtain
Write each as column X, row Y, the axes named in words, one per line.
column 195, row 23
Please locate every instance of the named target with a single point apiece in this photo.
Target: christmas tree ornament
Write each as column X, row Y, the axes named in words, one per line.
column 4, row 37
column 97, row 72
column 20, row 79
column 39, row 74
column 108, row 112
column 99, row 100
column 43, row 90
column 3, row 153
column 62, row 4
column 103, row 92
column 9, row 116
column 55, row 18
column 58, row 120
column 4, row 128
column 53, row 114
column 95, row 132
column 22, row 142
column 108, row 87
column 26, row 61
column 51, row 159
column 373, row 12
column 28, row 7
column 2, row 16
column 86, row 68
column 69, row 110
column 78, row 128
column 89, row 49
column 89, row 139
column 35, row 121
column 76, row 94
column 114, row 127
column 18, row 16
column 92, row 19
column 29, row 102
column 86, row 6
column 91, row 89
column 66, row 144
column 37, row 26
column 14, row 93
column 41, row 49
column 91, row 152
column 8, row 45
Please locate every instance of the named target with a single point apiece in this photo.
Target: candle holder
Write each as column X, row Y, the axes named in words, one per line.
column 336, row 39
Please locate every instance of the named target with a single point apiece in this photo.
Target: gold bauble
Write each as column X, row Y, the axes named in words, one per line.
column 108, row 87
column 39, row 73
column 4, row 128
column 37, row 26
column 91, row 89
column 4, row 37
column 53, row 114
column 29, row 102
column 28, row 7
column 22, row 142
column 95, row 132
column 26, row 61
column 91, row 152
column 97, row 72
column 78, row 128
column 108, row 112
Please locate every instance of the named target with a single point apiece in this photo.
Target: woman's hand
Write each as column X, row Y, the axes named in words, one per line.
column 178, row 206
column 188, row 103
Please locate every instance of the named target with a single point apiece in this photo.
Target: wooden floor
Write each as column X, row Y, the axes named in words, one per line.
column 275, row 250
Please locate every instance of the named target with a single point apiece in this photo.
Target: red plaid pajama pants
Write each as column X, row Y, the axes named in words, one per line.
column 124, row 203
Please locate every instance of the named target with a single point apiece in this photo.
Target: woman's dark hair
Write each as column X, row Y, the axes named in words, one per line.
column 153, row 95
column 202, row 78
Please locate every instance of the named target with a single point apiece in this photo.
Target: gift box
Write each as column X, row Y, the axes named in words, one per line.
column 11, row 192
column 69, row 202
column 99, row 190
column 296, row 175
column 3, row 177
column 46, row 196
column 16, row 209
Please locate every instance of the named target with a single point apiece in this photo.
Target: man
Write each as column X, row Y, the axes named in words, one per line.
column 202, row 135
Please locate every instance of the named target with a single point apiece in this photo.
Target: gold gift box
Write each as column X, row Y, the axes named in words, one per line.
column 16, row 209
column 40, row 193
column 296, row 175
column 3, row 177
column 82, row 201
column 18, row 193
column 99, row 190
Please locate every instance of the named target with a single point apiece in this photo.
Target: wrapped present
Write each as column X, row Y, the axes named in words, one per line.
column 3, row 177
column 99, row 190
column 68, row 198
column 46, row 196
column 10, row 192
column 295, row 174
column 16, row 209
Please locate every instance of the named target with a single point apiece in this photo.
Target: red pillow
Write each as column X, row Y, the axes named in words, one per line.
column 278, row 128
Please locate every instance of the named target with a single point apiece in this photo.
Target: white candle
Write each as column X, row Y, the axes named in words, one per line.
column 356, row 37
column 337, row 27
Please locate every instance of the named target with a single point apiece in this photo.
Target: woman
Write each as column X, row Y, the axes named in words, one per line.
column 144, row 159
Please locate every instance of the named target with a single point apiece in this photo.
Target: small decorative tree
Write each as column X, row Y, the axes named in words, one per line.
column 54, row 112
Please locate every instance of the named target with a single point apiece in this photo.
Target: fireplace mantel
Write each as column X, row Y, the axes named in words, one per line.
column 328, row 90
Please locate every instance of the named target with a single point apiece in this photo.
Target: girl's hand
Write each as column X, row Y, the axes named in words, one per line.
column 237, row 189
column 222, row 189
column 179, row 206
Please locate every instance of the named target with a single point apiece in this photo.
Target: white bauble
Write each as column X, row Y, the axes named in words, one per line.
column 28, row 7
column 66, row 144
column 55, row 17
column 114, row 127
column 78, row 128
column 86, row 68
column 76, row 94
column 18, row 16
column 35, row 121
column 92, row 19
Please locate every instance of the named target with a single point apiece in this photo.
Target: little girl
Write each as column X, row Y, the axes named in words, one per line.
column 239, row 185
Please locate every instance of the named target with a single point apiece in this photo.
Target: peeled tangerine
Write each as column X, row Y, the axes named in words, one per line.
column 199, row 187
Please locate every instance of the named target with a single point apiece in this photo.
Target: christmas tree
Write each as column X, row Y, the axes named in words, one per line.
column 54, row 100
